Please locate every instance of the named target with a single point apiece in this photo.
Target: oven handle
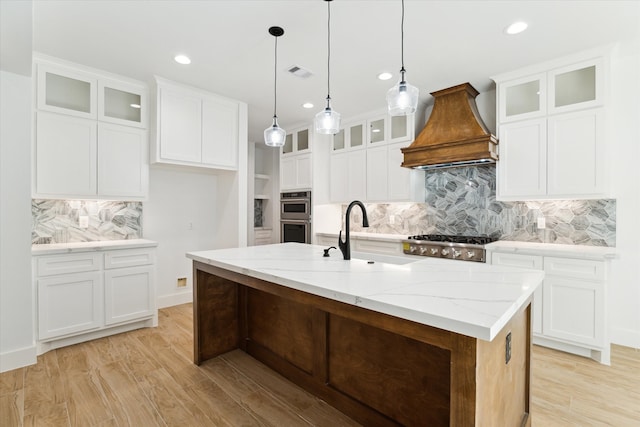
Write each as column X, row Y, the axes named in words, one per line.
column 296, row 221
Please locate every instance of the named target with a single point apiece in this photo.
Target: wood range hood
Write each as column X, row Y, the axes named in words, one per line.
column 454, row 135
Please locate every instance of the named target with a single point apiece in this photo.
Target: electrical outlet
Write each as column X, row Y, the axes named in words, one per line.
column 542, row 223
column 83, row 221
column 507, row 349
column 182, row 282
column 392, row 219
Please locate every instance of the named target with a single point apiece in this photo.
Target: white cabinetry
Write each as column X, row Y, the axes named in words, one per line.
column 295, row 161
column 569, row 308
column 90, row 137
column 197, row 128
column 372, row 171
column 552, row 130
column 263, row 236
column 86, row 295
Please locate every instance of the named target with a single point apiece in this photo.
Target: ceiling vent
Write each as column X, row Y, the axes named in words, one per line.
column 298, row 71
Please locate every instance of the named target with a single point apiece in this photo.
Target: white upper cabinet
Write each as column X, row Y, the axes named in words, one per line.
column 296, row 161
column 90, row 138
column 297, row 142
column 66, row 91
column 197, row 128
column 122, row 103
column 366, row 161
column 552, row 130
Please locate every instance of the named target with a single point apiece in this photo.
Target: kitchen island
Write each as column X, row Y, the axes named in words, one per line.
column 429, row 342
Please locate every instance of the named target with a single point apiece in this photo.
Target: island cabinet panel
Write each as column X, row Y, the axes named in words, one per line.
column 216, row 316
column 282, row 326
column 379, row 369
column 376, row 366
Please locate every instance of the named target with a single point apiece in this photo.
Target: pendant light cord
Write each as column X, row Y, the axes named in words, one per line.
column 275, row 77
column 328, row 50
column 402, row 70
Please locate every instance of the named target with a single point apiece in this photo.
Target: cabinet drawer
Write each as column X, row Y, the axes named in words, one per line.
column 67, row 263
column 262, row 234
column 517, row 260
column 128, row 258
column 377, row 247
column 574, row 268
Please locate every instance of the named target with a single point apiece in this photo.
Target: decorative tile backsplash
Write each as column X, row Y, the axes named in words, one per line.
column 58, row 221
column 462, row 201
column 258, row 212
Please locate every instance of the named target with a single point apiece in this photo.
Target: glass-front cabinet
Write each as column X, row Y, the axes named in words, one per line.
column 523, row 98
column 576, row 86
column 377, row 128
column 296, row 142
column 66, row 91
column 121, row 103
column 351, row 136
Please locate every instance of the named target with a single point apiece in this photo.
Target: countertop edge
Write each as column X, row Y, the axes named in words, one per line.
column 103, row 245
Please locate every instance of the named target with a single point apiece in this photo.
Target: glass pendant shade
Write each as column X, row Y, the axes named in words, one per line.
column 327, row 121
column 402, row 99
column 274, row 135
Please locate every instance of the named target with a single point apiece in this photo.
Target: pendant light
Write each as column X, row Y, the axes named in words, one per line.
column 327, row 121
column 274, row 135
column 402, row 99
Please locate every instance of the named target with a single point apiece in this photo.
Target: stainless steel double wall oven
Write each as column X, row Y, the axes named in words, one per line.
column 295, row 217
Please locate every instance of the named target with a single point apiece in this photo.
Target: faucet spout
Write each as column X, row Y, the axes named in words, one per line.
column 345, row 246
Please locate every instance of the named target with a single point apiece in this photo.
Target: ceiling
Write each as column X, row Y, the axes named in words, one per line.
column 446, row 43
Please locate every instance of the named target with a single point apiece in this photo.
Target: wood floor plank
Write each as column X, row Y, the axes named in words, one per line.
column 11, row 381
column 12, row 408
column 87, row 403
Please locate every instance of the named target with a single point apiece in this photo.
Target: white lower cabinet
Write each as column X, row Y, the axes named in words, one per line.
column 569, row 309
column 86, row 295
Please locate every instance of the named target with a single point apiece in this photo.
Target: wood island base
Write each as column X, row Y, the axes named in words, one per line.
column 378, row 369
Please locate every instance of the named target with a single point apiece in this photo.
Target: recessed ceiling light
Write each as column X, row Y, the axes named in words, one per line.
column 516, row 27
column 307, row 105
column 182, row 59
column 385, row 76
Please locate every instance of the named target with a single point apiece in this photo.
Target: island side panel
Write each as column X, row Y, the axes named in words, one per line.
column 404, row 379
column 503, row 389
column 215, row 315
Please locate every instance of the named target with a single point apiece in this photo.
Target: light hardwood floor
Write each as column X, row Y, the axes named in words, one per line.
column 147, row 378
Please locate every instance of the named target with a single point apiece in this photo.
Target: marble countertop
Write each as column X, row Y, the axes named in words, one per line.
column 553, row 249
column 103, row 245
column 468, row 298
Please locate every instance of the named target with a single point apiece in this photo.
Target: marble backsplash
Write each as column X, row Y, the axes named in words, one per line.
column 58, row 221
column 258, row 212
column 462, row 201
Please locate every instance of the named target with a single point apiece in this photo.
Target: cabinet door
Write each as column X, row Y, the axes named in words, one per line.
column 339, row 177
column 220, row 133
column 65, row 157
column 303, row 171
column 377, row 130
column 288, row 173
column 401, row 129
column 404, row 184
column 576, row 86
column 533, row 262
column 574, row 310
column 576, row 155
column 66, row 91
column 122, row 103
column 522, row 169
column 123, row 169
column 129, row 294
column 377, row 182
column 180, row 133
column 523, row 98
column 69, row 304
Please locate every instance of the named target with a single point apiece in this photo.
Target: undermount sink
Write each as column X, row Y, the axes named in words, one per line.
column 387, row 259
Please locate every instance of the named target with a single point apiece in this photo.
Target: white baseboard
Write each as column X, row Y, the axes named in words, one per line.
column 174, row 299
column 625, row 337
column 18, row 358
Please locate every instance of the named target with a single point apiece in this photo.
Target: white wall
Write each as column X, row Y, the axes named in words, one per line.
column 181, row 216
column 624, row 288
column 17, row 339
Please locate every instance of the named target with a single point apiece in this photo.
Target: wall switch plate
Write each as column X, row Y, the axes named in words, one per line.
column 507, row 349
column 542, row 223
column 83, row 221
column 182, row 282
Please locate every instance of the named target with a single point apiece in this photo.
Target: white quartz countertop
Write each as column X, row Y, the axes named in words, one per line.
column 553, row 249
column 468, row 298
column 103, row 245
